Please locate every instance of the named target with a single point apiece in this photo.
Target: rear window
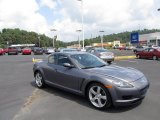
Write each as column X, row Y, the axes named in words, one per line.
column 12, row 48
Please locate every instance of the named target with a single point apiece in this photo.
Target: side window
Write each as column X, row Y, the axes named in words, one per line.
column 146, row 50
column 63, row 59
column 52, row 59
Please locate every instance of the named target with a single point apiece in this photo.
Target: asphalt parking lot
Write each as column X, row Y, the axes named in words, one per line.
column 21, row 100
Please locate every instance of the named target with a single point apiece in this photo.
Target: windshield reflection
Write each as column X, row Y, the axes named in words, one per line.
column 86, row 61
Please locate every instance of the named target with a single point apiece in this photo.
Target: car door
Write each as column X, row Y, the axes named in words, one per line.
column 50, row 70
column 67, row 77
column 145, row 53
column 150, row 53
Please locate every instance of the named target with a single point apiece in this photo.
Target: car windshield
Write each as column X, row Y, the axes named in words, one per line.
column 38, row 49
column 12, row 48
column 69, row 50
column 102, row 50
column 86, row 61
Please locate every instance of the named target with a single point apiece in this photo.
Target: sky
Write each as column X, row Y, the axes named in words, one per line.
column 111, row 16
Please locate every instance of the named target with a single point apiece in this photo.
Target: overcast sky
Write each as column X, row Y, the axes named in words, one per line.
column 112, row 16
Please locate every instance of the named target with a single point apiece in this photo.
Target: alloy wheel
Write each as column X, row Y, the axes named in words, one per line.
column 39, row 79
column 97, row 96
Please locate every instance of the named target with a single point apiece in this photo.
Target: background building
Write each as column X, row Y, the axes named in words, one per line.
column 150, row 39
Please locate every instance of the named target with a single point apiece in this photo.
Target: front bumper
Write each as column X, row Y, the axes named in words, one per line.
column 129, row 96
column 108, row 59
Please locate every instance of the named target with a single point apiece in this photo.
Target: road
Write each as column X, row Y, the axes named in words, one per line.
column 21, row 100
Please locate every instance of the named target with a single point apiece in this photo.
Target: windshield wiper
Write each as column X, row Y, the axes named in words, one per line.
column 102, row 65
column 94, row 66
column 88, row 67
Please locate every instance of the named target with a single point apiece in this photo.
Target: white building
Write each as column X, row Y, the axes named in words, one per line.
column 116, row 43
column 150, row 39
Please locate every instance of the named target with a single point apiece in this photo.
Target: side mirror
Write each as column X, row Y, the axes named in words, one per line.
column 68, row 65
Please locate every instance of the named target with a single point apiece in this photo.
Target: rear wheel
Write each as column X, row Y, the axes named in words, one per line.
column 154, row 57
column 39, row 80
column 99, row 96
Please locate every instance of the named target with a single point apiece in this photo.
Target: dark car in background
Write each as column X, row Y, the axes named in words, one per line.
column 149, row 53
column 102, row 53
column 87, row 75
column 12, row 51
column 38, row 51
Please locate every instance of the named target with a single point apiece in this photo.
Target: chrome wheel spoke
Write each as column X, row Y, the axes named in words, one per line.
column 100, row 103
column 103, row 97
column 98, row 90
column 93, row 99
column 92, row 91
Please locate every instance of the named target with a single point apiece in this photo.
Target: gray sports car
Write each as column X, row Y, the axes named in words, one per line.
column 85, row 74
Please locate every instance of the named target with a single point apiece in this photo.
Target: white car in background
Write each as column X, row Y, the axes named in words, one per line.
column 102, row 53
column 49, row 50
column 155, row 46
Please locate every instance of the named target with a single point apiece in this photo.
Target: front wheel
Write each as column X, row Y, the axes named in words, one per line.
column 99, row 96
column 39, row 80
column 138, row 56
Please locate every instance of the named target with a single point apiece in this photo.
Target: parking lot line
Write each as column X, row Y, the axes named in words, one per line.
column 25, row 109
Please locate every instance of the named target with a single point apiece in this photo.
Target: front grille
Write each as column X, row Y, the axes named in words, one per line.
column 127, row 97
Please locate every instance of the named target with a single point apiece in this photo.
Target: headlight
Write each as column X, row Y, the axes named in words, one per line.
column 122, row 84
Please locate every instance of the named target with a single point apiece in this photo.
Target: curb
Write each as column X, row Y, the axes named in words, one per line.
column 36, row 60
column 124, row 57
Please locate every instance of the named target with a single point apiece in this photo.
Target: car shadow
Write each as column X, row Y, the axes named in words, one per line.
column 83, row 100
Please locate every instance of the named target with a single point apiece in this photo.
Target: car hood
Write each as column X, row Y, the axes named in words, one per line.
column 126, row 74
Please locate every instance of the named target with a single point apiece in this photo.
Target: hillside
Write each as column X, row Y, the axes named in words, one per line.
column 17, row 36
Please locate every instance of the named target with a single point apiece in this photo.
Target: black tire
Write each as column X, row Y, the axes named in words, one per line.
column 99, row 99
column 39, row 81
column 135, row 51
column 109, row 62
